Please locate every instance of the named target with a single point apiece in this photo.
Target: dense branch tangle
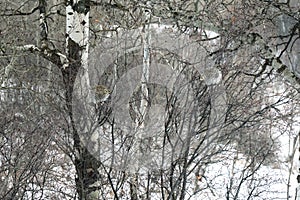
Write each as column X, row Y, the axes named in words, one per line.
column 239, row 26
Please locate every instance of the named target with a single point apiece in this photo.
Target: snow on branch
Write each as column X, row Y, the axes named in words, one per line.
column 53, row 56
column 269, row 58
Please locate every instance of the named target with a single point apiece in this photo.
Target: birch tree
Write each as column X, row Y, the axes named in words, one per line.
column 243, row 59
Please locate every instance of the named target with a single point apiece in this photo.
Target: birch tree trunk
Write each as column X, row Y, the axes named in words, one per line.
column 144, row 103
column 77, row 36
column 298, row 177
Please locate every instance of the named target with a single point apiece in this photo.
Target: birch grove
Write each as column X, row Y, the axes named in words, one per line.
column 198, row 99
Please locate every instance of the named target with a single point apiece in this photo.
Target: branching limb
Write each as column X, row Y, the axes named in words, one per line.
column 53, row 56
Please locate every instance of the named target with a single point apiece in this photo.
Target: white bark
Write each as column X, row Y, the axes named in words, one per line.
column 6, row 81
column 298, row 177
column 142, row 110
column 146, row 36
column 77, row 29
column 77, row 26
column 43, row 25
